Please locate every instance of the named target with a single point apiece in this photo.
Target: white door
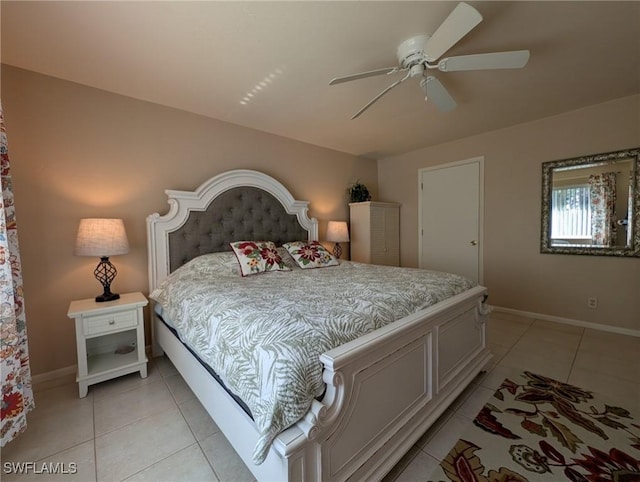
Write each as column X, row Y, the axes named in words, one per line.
column 451, row 218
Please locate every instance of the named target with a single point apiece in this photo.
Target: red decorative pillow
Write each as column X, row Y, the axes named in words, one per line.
column 258, row 257
column 310, row 254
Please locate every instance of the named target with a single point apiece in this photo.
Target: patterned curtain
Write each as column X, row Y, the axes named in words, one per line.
column 630, row 212
column 17, row 396
column 603, row 207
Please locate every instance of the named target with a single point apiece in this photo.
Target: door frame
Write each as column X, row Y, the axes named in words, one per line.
column 480, row 161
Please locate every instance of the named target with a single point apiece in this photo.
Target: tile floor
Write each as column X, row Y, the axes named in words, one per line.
column 154, row 429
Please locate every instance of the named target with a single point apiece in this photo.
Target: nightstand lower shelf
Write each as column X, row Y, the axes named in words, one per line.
column 106, row 366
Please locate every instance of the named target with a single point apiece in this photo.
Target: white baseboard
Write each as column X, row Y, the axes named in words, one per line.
column 54, row 374
column 569, row 321
column 62, row 374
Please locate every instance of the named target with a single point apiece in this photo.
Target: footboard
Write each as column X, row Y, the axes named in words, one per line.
column 385, row 389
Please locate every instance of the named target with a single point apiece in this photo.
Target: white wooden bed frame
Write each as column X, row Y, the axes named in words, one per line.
column 384, row 390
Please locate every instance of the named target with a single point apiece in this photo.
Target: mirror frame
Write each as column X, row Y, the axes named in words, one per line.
column 547, row 170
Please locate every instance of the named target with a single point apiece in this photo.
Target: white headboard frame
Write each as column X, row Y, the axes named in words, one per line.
column 181, row 203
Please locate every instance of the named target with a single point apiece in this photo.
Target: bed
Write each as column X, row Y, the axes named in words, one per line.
column 381, row 390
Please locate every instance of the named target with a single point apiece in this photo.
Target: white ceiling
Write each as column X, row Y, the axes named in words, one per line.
column 205, row 57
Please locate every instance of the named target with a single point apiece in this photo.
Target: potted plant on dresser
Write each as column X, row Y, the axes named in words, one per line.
column 358, row 193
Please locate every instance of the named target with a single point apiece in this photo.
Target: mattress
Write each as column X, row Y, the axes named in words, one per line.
column 159, row 311
column 263, row 334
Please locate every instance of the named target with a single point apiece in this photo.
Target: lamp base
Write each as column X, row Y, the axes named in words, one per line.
column 107, row 297
column 337, row 250
column 105, row 272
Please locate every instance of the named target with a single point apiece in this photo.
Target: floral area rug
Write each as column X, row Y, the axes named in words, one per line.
column 538, row 429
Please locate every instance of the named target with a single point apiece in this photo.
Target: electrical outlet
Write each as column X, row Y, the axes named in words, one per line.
column 592, row 303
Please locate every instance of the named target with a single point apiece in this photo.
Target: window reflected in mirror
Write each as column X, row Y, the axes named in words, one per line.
column 591, row 205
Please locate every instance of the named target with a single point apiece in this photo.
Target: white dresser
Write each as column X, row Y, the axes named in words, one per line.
column 375, row 233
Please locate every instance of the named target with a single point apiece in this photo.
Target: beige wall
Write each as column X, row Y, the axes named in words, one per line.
column 80, row 152
column 515, row 272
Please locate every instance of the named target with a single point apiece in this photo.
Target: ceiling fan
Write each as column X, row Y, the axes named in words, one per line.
column 417, row 55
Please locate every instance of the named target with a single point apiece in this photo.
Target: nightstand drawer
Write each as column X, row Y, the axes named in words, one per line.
column 109, row 322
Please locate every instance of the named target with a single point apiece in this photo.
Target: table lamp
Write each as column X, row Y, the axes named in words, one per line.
column 337, row 232
column 102, row 237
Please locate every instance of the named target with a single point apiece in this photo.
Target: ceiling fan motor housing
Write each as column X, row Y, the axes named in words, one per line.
column 411, row 51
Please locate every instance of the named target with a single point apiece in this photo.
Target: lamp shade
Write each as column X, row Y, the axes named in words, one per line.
column 337, row 232
column 101, row 237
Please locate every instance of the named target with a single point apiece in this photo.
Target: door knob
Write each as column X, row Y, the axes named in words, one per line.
column 473, row 243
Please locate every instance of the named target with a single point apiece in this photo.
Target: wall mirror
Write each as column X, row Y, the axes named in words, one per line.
column 591, row 205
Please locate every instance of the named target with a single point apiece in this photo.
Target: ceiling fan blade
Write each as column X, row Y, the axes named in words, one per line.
column 458, row 24
column 363, row 75
column 496, row 60
column 377, row 97
column 436, row 93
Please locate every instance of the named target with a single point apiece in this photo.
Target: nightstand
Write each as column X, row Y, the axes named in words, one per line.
column 109, row 338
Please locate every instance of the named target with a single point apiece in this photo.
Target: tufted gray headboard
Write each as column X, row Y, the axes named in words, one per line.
column 238, row 205
column 239, row 214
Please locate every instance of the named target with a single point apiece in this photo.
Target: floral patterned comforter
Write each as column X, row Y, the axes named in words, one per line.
column 263, row 334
